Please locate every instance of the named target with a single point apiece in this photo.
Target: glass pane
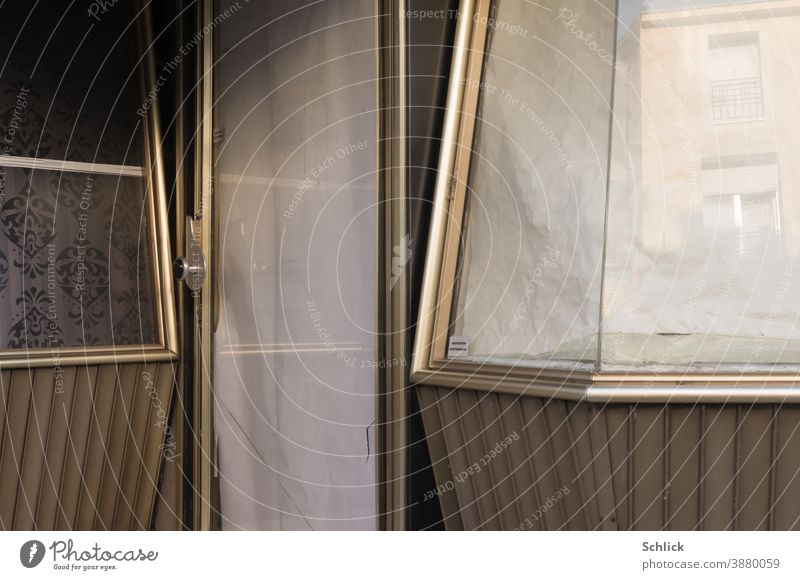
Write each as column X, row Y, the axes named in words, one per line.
column 70, row 84
column 294, row 349
column 529, row 284
column 75, row 266
column 704, row 200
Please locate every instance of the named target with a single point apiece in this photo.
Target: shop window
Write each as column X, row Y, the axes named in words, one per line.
column 593, row 230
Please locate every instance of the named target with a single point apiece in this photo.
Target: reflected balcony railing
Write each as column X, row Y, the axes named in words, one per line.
column 737, row 100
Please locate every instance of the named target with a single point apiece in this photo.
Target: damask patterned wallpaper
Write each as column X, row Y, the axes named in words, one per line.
column 75, row 267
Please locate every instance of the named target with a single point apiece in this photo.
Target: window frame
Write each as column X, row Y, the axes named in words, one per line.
column 430, row 364
column 165, row 317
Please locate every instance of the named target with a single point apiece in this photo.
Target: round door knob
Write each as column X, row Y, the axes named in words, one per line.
column 191, row 271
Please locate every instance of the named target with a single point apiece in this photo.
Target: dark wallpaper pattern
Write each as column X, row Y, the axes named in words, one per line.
column 75, row 267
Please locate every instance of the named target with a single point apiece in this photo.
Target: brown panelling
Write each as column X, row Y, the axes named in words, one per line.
column 617, row 421
column 106, row 394
column 17, row 412
column 520, row 462
column 81, row 448
column 78, row 443
column 168, row 507
column 475, row 445
column 34, row 451
column 495, row 460
column 441, row 468
column 787, row 474
column 134, row 450
column 149, row 468
column 648, row 467
column 57, row 447
column 579, row 429
column 459, row 462
column 601, row 464
column 678, row 467
column 167, row 511
column 683, row 485
column 556, row 417
column 5, row 384
column 111, row 474
column 540, row 444
column 719, row 445
column 754, row 468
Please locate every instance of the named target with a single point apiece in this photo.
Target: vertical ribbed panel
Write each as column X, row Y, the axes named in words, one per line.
column 78, row 443
column 786, row 510
column 442, row 470
column 539, row 442
column 105, row 396
column 519, row 460
column 648, row 460
column 579, row 425
column 81, row 448
column 155, row 432
column 5, row 384
column 111, row 473
column 466, row 411
column 555, row 419
column 58, row 434
column 720, row 467
column 133, row 451
column 17, row 413
column 495, row 461
column 456, row 451
column 617, row 420
column 644, row 467
column 683, row 484
column 33, row 453
column 755, row 468
column 168, row 514
column 601, row 464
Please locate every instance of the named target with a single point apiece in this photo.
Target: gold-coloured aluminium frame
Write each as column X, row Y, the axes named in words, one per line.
column 391, row 380
column 429, row 363
column 166, row 348
column 205, row 210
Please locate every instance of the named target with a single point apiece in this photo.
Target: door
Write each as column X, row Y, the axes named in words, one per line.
column 288, row 310
column 88, row 337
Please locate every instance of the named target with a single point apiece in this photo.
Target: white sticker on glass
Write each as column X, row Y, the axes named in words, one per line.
column 458, row 346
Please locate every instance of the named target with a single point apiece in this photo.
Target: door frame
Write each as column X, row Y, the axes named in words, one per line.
column 393, row 258
column 205, row 310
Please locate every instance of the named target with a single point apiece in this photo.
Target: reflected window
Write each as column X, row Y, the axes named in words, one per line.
column 735, row 73
column 740, row 198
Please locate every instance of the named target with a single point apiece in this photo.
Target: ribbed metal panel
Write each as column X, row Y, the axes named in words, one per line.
column 81, row 448
column 442, row 469
column 579, row 466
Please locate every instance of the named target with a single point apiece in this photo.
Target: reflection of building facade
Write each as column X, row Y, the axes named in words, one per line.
column 704, row 215
column 719, row 121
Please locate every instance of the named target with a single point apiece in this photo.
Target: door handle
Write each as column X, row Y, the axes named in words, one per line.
column 191, row 268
